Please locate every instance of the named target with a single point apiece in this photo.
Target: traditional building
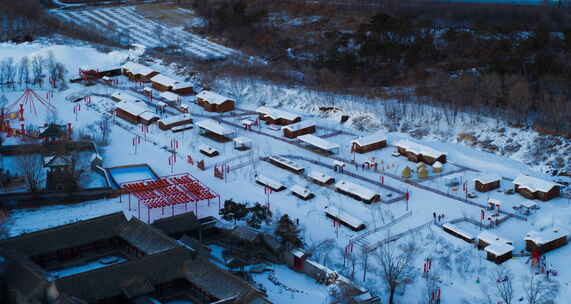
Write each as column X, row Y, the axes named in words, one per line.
column 499, row 252
column 60, row 175
column 457, row 232
column 175, row 121
column 276, row 116
column 344, row 218
column 319, row 144
column 111, row 260
column 487, row 183
column 298, row 129
column 134, row 113
column 285, row 163
column 320, row 178
column 54, row 133
column 162, row 83
column 214, row 102
column 214, row 130
column 242, row 143
column 420, row 153
column 138, row 72
column 544, row 241
column 369, row 143
column 183, row 88
column 357, row 192
column 535, row 188
column 302, row 192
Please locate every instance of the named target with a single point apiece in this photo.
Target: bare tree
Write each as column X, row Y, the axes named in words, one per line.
column 37, row 69
column 537, row 290
column 30, row 165
column 320, row 250
column 24, row 70
column 80, row 167
column 396, row 265
column 8, row 71
column 502, row 278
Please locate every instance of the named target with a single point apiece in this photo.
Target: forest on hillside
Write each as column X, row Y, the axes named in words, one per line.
column 511, row 61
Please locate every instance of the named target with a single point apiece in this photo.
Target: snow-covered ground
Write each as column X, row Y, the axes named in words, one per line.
column 460, row 263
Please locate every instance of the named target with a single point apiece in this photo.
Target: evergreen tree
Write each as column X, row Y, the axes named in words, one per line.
column 258, row 214
column 233, row 211
column 288, row 231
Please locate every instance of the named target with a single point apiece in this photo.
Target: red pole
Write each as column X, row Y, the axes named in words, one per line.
column 139, row 207
column 218, row 203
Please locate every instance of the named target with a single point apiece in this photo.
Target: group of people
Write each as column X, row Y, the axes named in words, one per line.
column 438, row 218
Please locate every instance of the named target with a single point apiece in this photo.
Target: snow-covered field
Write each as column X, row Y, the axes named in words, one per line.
column 459, row 264
column 133, row 27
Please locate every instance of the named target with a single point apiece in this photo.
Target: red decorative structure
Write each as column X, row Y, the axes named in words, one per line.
column 169, row 191
column 89, row 74
column 29, row 98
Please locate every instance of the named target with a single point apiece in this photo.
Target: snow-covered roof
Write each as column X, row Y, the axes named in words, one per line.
column 148, row 115
column 148, row 89
column 491, row 238
column 299, row 126
column 164, row 80
column 545, row 236
column 137, row 69
column 499, row 249
column 494, row 201
column 318, row 142
column 57, row 161
column 486, row 179
column 100, row 68
column 276, row 114
column 214, row 127
column 297, row 253
column 182, row 85
column 437, row 165
column 370, row 139
column 339, row 163
column 124, row 97
column 131, row 108
column 268, row 182
column 301, row 191
column 419, row 149
column 343, row 216
column 175, row 119
column 170, row 96
column 286, row 162
column 242, row 140
column 458, row 231
column 247, row 122
column 529, row 204
column 207, row 149
column 356, row 189
column 320, row 177
column 534, row 184
column 213, row 97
